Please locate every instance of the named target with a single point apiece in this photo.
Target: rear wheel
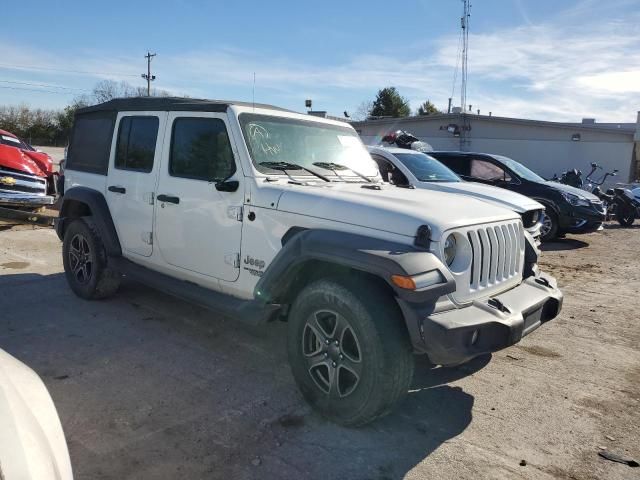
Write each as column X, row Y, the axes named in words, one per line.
column 349, row 353
column 85, row 262
column 549, row 227
column 625, row 215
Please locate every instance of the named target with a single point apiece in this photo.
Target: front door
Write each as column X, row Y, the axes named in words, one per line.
column 198, row 226
column 131, row 182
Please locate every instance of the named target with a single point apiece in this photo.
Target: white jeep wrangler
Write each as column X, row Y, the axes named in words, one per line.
column 262, row 214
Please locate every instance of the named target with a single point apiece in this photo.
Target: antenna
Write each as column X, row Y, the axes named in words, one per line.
column 466, row 15
column 253, row 96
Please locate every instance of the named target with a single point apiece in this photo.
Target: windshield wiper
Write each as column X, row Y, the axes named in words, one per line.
column 284, row 166
column 335, row 167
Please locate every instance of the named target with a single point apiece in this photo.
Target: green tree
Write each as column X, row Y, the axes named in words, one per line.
column 389, row 103
column 428, row 108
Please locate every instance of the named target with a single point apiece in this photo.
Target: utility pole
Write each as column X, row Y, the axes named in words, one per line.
column 148, row 77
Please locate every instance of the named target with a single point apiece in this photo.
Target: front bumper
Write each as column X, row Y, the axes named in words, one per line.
column 25, row 200
column 583, row 219
column 487, row 325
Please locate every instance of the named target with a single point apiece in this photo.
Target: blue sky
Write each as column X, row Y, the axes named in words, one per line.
column 545, row 59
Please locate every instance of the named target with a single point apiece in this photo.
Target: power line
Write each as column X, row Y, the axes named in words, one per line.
column 64, row 70
column 46, row 85
column 37, row 90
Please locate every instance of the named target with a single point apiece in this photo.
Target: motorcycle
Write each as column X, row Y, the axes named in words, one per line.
column 621, row 203
column 404, row 139
column 570, row 177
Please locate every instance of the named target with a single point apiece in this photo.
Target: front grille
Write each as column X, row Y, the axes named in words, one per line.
column 12, row 181
column 497, row 259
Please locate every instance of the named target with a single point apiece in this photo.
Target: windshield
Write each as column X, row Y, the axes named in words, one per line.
column 520, row 169
column 426, row 168
column 305, row 143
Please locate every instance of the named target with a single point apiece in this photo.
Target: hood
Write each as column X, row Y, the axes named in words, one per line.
column 573, row 190
column 391, row 209
column 497, row 196
column 12, row 157
column 32, row 445
column 43, row 160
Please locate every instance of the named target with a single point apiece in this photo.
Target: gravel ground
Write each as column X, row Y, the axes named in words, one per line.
column 151, row 387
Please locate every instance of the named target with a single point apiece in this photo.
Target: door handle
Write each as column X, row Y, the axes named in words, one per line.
column 168, row 198
column 115, row 189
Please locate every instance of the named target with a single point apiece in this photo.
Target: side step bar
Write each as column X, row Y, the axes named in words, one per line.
column 252, row 312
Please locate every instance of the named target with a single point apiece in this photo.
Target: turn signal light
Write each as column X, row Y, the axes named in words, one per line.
column 403, row 282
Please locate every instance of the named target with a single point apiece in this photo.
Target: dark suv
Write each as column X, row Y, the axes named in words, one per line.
column 568, row 209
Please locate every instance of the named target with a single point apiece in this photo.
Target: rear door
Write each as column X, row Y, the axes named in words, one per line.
column 460, row 164
column 131, row 181
column 199, row 227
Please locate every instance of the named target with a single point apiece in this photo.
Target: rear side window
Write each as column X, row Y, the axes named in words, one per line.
column 200, row 150
column 460, row 165
column 136, row 145
column 91, row 142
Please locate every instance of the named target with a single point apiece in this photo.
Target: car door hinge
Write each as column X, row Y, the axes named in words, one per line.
column 235, row 212
column 232, row 259
column 149, row 197
column 147, row 237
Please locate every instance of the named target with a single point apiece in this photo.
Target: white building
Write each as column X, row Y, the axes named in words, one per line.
column 545, row 147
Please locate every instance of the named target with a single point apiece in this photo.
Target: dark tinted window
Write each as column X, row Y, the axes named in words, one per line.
column 459, row 165
column 200, row 149
column 136, row 143
column 91, row 142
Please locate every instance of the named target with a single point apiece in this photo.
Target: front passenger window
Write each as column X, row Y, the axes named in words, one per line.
column 200, row 150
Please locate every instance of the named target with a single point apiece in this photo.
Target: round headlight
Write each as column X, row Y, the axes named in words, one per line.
column 450, row 249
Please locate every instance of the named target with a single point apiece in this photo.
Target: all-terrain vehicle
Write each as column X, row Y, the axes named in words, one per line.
column 264, row 214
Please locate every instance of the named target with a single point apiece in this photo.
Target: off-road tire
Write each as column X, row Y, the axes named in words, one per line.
column 551, row 217
column 386, row 355
column 98, row 280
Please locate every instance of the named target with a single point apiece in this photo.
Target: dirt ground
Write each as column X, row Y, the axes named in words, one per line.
column 151, row 387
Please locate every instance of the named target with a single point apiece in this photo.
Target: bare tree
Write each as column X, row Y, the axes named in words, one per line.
column 363, row 111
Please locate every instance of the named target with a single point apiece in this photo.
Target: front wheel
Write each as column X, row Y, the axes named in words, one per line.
column 349, row 352
column 85, row 262
column 549, row 227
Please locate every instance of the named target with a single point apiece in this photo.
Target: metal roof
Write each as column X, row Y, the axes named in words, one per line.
column 622, row 128
column 170, row 104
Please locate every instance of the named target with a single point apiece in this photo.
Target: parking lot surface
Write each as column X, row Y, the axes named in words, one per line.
column 148, row 386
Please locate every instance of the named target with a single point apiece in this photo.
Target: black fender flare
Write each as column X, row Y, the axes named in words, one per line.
column 100, row 213
column 381, row 258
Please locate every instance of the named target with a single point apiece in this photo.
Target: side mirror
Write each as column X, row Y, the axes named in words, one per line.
column 594, row 165
column 227, row 186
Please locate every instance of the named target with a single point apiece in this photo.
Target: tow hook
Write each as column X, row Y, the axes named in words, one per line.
column 498, row 305
column 543, row 281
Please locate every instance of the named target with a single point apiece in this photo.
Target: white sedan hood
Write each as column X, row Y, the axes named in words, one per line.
column 391, row 209
column 498, row 196
column 32, row 445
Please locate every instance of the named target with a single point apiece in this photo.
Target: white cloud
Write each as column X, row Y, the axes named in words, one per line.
column 583, row 62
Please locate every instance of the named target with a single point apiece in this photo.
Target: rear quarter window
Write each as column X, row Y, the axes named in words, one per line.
column 90, row 145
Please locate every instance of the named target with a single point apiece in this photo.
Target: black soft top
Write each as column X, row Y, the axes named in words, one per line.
column 170, row 104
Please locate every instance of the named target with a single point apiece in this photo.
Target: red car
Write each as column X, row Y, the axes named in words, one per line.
column 27, row 177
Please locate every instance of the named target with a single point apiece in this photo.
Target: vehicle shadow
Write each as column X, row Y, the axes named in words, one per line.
column 562, row 244
column 148, row 386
